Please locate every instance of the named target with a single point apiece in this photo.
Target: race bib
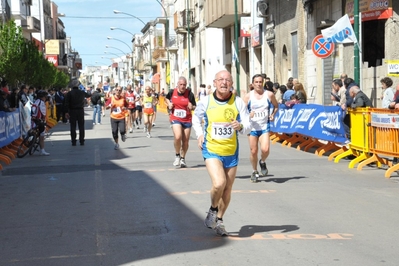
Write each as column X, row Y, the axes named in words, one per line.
column 180, row 113
column 117, row 110
column 221, row 130
column 147, row 105
column 260, row 114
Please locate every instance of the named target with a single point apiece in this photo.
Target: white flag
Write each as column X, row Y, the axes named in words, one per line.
column 233, row 54
column 340, row 32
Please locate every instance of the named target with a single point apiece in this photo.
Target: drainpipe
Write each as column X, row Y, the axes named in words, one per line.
column 356, row 50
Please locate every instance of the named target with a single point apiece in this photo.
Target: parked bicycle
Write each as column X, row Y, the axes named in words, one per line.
column 31, row 142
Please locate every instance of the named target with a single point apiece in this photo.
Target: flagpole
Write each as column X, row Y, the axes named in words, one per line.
column 356, row 50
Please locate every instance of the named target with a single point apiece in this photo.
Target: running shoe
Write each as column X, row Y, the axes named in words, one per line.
column 219, row 229
column 131, row 130
column 263, row 168
column 210, row 220
column 124, row 137
column 254, row 176
column 148, row 135
column 183, row 163
column 137, row 127
column 116, row 146
column 177, row 161
column 44, row 153
column 153, row 124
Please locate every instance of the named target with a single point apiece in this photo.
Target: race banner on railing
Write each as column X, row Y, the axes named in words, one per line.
column 312, row 120
column 10, row 128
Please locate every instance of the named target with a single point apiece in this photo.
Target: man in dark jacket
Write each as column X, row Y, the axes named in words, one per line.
column 359, row 98
column 74, row 102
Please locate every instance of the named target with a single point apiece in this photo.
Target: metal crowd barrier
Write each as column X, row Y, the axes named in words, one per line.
column 383, row 139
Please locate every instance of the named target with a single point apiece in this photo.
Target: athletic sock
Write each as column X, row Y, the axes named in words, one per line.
column 214, row 209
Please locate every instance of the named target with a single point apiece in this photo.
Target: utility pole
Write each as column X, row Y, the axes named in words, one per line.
column 188, row 42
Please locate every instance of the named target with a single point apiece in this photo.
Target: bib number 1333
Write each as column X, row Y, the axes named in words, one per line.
column 222, row 131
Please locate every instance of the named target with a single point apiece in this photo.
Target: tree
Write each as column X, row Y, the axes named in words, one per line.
column 22, row 62
column 11, row 45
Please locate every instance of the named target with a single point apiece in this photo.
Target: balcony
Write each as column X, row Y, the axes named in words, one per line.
column 31, row 24
column 221, row 13
column 185, row 20
column 160, row 54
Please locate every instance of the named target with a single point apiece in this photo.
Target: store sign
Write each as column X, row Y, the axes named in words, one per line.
column 52, row 47
column 256, row 35
column 52, row 59
column 370, row 9
column 393, row 68
column 246, row 23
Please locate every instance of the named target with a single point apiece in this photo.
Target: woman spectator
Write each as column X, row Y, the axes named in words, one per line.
column 389, row 92
column 300, row 92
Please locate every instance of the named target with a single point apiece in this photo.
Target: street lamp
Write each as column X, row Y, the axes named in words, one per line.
column 111, row 38
column 115, row 28
column 166, row 39
column 117, row 56
column 132, row 60
column 120, row 12
column 107, row 46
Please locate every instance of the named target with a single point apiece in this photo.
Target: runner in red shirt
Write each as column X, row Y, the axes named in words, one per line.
column 181, row 101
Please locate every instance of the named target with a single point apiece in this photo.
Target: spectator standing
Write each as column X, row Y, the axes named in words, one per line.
column 97, row 105
column 389, row 92
column 395, row 104
column 31, row 94
column 4, row 103
column 300, row 92
column 59, row 98
column 201, row 92
column 359, row 98
column 287, row 94
column 75, row 102
column 13, row 98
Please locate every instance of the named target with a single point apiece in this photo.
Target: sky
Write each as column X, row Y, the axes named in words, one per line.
column 88, row 23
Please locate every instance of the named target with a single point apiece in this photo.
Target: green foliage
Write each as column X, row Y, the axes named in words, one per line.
column 22, row 62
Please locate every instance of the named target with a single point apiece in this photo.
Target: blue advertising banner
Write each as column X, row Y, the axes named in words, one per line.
column 312, row 120
column 10, row 128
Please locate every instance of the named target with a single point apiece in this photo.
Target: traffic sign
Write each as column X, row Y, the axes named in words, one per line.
column 321, row 48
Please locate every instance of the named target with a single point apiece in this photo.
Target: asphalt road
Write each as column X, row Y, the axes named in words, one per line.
column 93, row 205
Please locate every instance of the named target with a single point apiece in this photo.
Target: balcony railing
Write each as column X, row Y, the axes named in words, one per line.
column 185, row 20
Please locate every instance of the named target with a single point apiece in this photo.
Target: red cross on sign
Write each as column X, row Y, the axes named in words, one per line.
column 321, row 48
